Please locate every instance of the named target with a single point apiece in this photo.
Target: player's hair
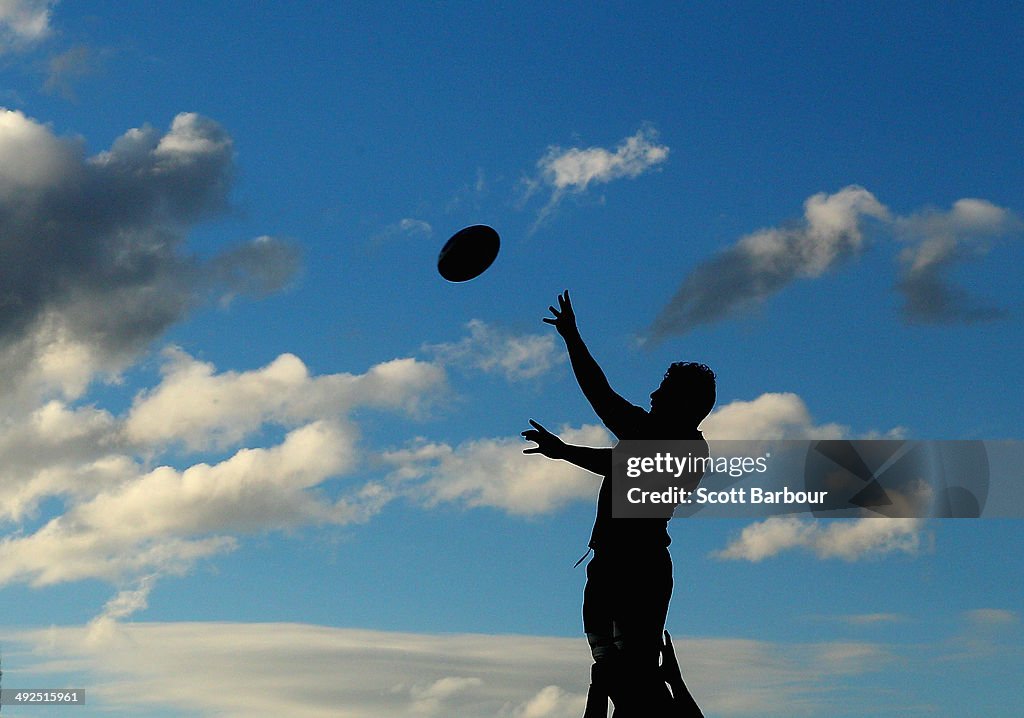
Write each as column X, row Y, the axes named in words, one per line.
column 691, row 384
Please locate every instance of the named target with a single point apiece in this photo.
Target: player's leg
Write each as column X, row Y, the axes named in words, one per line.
column 641, row 607
column 599, row 627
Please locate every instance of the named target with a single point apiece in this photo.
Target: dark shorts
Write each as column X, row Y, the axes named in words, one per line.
column 627, row 596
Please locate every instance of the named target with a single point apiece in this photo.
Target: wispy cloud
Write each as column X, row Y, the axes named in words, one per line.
column 24, row 22
column 122, row 521
column 763, row 263
column 493, row 350
column 872, row 619
column 831, row 233
column 126, row 603
column 308, row 671
column 573, row 170
column 992, row 617
column 495, row 473
column 405, row 227
column 848, row 540
column 938, row 241
column 64, row 69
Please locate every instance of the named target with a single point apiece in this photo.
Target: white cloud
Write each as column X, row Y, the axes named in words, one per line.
column 761, row 264
column 57, row 451
column 992, row 617
column 123, row 521
column 165, row 519
column 551, row 701
column 575, row 169
column 406, row 227
column 775, row 416
column 129, row 601
column 872, row 619
column 23, row 22
column 201, row 408
column 495, row 473
column 515, row 356
column 431, row 700
column 415, row 226
column 849, row 540
column 769, row 416
column 305, row 671
column 32, row 156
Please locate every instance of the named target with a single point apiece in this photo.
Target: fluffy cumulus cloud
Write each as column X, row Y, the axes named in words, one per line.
column 937, row 242
column 23, row 22
column 850, row 540
column 768, row 417
column 201, row 408
column 93, row 268
column 495, row 473
column 493, row 350
column 573, row 170
column 92, row 258
column 309, row 671
column 123, row 520
column 166, row 518
column 776, row 416
column 763, row 263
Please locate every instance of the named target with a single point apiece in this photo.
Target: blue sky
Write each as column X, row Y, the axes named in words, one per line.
column 254, row 445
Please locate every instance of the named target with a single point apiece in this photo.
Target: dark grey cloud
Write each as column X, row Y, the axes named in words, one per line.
column 92, row 249
column 763, row 263
column 937, row 243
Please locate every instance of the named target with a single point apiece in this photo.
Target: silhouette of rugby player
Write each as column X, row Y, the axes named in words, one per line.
column 629, row 578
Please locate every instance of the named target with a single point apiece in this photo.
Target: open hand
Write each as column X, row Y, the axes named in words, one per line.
column 564, row 319
column 547, row 443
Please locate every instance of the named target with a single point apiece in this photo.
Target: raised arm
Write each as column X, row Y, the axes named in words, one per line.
column 595, row 460
column 609, row 406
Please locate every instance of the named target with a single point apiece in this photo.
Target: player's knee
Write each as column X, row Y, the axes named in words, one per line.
column 602, row 647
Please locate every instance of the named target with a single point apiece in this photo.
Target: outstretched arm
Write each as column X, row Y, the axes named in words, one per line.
column 590, row 458
column 608, row 405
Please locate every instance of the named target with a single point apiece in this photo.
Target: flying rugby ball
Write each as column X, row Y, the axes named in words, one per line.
column 468, row 253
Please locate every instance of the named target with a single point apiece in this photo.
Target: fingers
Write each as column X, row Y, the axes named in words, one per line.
column 564, row 308
column 537, row 426
column 552, row 320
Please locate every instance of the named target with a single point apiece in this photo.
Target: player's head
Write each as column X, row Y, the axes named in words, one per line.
column 687, row 391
